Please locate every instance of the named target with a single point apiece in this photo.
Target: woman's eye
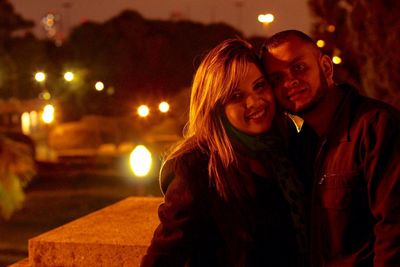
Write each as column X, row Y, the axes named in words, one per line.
column 260, row 85
column 236, row 96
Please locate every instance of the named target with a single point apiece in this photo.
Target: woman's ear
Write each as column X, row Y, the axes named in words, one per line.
column 327, row 68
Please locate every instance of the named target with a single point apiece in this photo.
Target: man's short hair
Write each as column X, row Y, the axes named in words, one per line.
column 281, row 37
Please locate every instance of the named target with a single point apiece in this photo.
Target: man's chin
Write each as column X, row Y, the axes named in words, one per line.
column 301, row 109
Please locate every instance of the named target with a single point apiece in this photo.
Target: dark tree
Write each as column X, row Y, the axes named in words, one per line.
column 366, row 35
column 141, row 58
column 10, row 23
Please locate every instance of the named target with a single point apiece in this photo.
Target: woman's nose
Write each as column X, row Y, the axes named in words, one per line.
column 253, row 100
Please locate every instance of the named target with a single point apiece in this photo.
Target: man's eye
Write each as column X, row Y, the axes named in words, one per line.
column 298, row 67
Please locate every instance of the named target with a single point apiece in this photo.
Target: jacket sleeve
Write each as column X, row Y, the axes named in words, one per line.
column 175, row 237
column 382, row 166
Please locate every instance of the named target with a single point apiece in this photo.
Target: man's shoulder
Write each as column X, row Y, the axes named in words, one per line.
column 370, row 108
column 366, row 107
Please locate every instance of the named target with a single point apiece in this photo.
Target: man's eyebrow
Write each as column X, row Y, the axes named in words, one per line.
column 298, row 58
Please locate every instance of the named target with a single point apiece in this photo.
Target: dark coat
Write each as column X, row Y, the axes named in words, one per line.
column 355, row 192
column 198, row 228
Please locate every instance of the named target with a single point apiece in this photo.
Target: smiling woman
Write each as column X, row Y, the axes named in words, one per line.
column 229, row 188
column 251, row 107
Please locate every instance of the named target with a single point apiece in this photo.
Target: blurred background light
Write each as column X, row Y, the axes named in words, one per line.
column 99, row 86
column 68, row 76
column 266, row 18
column 320, row 43
column 48, row 114
column 336, row 60
column 143, row 111
column 40, row 76
column 140, row 161
column 163, row 107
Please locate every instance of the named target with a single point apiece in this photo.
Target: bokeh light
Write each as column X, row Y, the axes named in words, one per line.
column 48, row 114
column 143, row 111
column 266, row 18
column 336, row 60
column 320, row 43
column 40, row 76
column 68, row 76
column 99, row 86
column 140, row 161
column 163, row 107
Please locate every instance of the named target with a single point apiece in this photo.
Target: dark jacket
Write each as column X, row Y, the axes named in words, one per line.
column 355, row 195
column 198, row 228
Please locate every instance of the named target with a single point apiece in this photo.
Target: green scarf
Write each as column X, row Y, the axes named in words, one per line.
column 270, row 141
column 270, row 149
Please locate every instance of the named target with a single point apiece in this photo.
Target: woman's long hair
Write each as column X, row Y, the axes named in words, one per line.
column 218, row 75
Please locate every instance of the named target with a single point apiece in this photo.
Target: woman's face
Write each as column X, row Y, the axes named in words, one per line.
column 251, row 107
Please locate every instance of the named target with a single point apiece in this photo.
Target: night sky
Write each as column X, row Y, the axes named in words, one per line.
column 288, row 13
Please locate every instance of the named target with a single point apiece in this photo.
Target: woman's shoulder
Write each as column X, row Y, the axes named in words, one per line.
column 189, row 164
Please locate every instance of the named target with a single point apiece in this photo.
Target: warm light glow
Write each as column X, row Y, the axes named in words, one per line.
column 68, row 76
column 34, row 118
column 336, row 60
column 331, row 28
column 25, row 123
column 320, row 43
column 266, row 18
column 140, row 161
column 163, row 107
column 45, row 95
column 48, row 114
column 143, row 111
column 40, row 76
column 99, row 86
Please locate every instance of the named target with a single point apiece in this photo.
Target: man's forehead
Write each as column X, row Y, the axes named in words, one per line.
column 291, row 50
column 287, row 49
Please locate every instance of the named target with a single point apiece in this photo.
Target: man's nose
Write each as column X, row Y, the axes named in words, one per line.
column 291, row 81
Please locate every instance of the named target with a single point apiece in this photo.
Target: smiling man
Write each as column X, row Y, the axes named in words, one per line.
column 354, row 191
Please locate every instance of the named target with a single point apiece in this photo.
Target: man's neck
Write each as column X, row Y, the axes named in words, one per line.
column 320, row 118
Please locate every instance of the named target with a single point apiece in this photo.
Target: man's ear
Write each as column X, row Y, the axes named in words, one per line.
column 327, row 67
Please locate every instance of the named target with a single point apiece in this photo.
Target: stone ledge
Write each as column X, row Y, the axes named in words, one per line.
column 21, row 263
column 117, row 235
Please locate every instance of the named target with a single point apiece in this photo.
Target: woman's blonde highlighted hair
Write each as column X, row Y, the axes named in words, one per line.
column 218, row 75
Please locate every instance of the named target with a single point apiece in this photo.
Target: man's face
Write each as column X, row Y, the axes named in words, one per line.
column 296, row 73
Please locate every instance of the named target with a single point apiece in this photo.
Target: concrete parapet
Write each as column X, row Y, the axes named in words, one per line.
column 117, row 235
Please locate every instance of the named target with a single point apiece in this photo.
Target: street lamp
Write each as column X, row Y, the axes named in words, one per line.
column 320, row 43
column 99, row 86
column 40, row 76
column 163, row 107
column 266, row 19
column 140, row 161
column 143, row 111
column 336, row 60
column 48, row 114
column 68, row 76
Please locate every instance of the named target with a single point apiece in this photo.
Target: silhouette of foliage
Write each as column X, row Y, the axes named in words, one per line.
column 365, row 35
column 143, row 58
